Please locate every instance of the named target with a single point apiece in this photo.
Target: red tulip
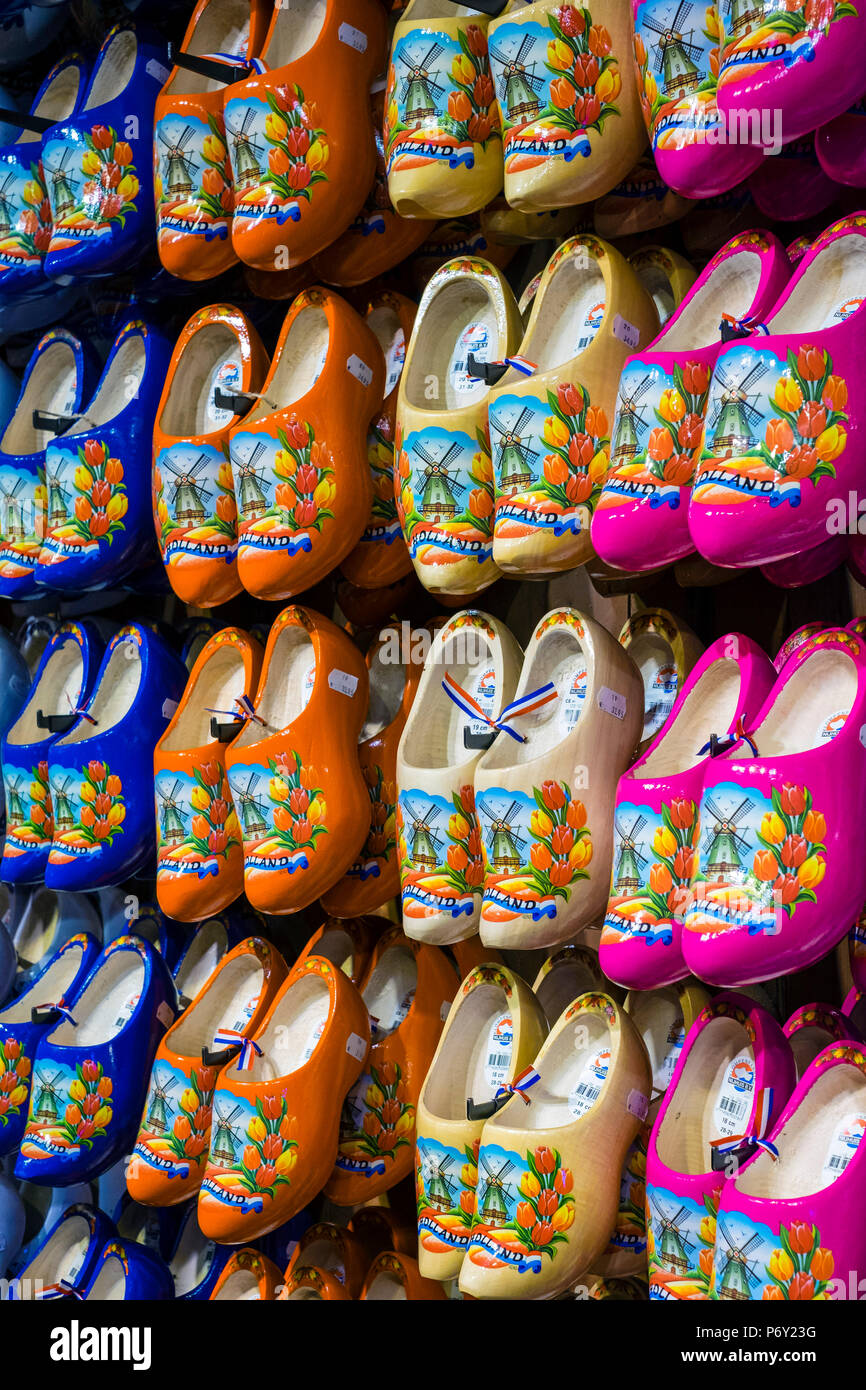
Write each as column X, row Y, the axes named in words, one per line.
column 547, row 1203
column 778, row 436
column 86, row 1129
column 562, row 839
column 587, row 110
column 545, row 1159
column 586, row 70
column 800, row 1237
column 206, row 1077
column 476, row 40
column 90, row 1071
column 217, row 841
column 101, row 137
column 682, row 813
column 298, row 141
column 195, row 1145
column 696, row 378
column 483, row 91
column 812, row 419
column 219, row 810
column 12, row 1048
column 524, row 1215
column 298, row 434
column 201, row 1118
column 266, row 1174
column 298, row 176
column 690, row 431
column 787, row 887
column 569, row 398
column 793, row 851
column 388, row 1073
column 541, row 1233
column 578, row 489
column 792, row 799
column 94, row 453
column 801, row 462
column 306, row 478
column 391, row 1112
column 299, row 801
column 272, row 1147
column 802, row 1286
column 479, row 129
column 810, row 363
column 570, row 20
column 684, row 861
column 102, row 829
column 552, row 795
column 371, row 1125
column 581, row 450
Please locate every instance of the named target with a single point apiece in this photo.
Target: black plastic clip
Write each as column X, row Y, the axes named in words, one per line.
column 490, row 372
column 43, row 1016
column 25, row 121
column 221, row 1058
column 236, row 401
column 209, row 67
column 55, row 424
column 485, row 1109
column 55, row 723
column 224, row 733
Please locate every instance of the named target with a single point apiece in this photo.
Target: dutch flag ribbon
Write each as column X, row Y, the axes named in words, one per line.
column 718, row 745
column 521, row 364
column 763, row 1111
column 59, row 1009
column 62, row 1289
column 520, row 1085
column 230, row 1037
column 524, row 704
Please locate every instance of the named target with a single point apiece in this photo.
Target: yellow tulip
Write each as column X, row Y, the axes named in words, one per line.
column 189, row 1101
column 318, row 155
column 708, row 1230
column 91, row 163
column 233, row 825
column 711, row 22
column 598, row 467
column 393, row 113
column 214, row 149
column 407, row 497
column 609, row 85
column 77, row 1090
column 781, row 1265
column 529, row 1184
column 374, row 1097
column 787, row 394
column 772, row 828
column 406, row 1121
column 116, row 814
column 102, row 1118
column 88, row 792
column 672, row 406
column 257, row 1129
column 482, row 467
column 830, row 443
column 664, row 842
column 559, row 55
column 275, row 127
column 469, row 1175
column 37, row 791
column 324, row 494
column 556, row 432
column 128, row 187
column 580, row 854
column 286, row 1161
column 278, row 789
column 284, row 464
column 540, row 825
column 317, row 810
column 32, row 194
column 18, row 1095
column 458, row 827
column 199, row 798
column 463, row 69
column 116, row 508
column 162, row 512
column 83, row 478
column 811, row 871
column 563, row 1217
column 224, row 476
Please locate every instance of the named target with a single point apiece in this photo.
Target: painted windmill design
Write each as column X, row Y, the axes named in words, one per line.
column 159, row 1104
column 723, row 844
column 516, row 460
column 58, row 497
column 8, row 215
column 671, row 1248
column 253, row 813
column 426, row 843
column 64, row 808
column 734, row 417
column 252, row 502
column 630, row 863
column 677, row 55
column 246, row 169
column 742, row 17
column 48, row 1102
column 439, row 1187
column 519, row 83
column 190, row 496
column 626, row 442
column 420, row 94
column 738, row 1273
column 62, row 193
column 180, row 167
column 505, row 844
column 493, row 1208
column 227, row 1138
column 173, row 829
column 13, row 511
column 15, row 813
column 440, row 483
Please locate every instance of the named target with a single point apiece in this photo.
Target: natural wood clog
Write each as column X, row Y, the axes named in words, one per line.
column 443, row 473
column 641, row 202
column 393, row 1277
column 664, row 649
column 248, row 1277
column 379, row 1228
column 813, row 1027
column 570, row 971
column 545, row 820
column 665, row 275
column 492, row 1033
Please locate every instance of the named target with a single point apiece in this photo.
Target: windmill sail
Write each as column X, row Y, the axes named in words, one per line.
column 420, row 93
column 519, row 83
column 515, row 464
column 630, row 860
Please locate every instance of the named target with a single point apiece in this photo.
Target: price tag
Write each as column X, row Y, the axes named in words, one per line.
column 637, row 1104
column 165, row 1014
column 356, row 1047
column 343, row 682
column 155, row 69
column 168, row 708
column 612, row 702
column 354, row 38
column 625, row 331
column 359, row 369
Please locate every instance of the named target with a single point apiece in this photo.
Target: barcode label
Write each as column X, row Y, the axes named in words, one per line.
column 590, row 1093
column 593, row 1075
column 733, row 1106
column 843, row 1145
column 499, row 1059
column 499, row 1041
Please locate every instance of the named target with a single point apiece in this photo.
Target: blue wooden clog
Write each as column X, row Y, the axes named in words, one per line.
column 25, row 212
column 43, row 1208
column 14, row 681
column 98, row 512
column 65, row 1260
column 12, row 1218
column 58, row 983
column 155, row 1227
column 52, row 392
column 105, row 220
column 104, row 765
column 8, row 963
column 91, row 1070
column 129, row 1273
column 196, row 1263
column 61, row 686
column 46, row 923
column 204, row 950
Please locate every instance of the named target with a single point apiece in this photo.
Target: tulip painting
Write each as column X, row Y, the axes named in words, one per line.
column 268, row 1155
column 659, row 88
column 28, row 216
column 779, row 29
column 88, row 1111
column 186, row 199
column 754, row 1262
column 298, row 151
column 297, row 815
column 94, row 814
column 197, row 825
column 447, row 865
column 100, row 499
column 380, row 456
column 658, row 427
column 187, row 522
column 449, row 101
column 536, row 848
column 655, row 857
column 378, row 1118
column 791, row 861
column 681, row 1234
column 15, row 1067
column 537, row 1206
column 382, row 835
column 110, row 188
column 457, row 501
column 293, row 496
column 29, row 811
column 445, row 1186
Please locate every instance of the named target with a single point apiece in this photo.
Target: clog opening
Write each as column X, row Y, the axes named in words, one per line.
column 816, row 1142
column 558, row 657
column 570, row 314
column 229, row 1003
column 655, row 660
column 812, row 708
column 564, row 981
column 325, row 1252
column 114, row 70
column 806, row 1043
column 192, row 1260
column 58, row 101
column 120, row 385
column 223, row 27
column 294, row 1030
column 460, row 319
column 190, row 409
column 657, row 286
column 219, row 683
column 729, row 289
column 574, row 1066
column 51, row 388
column 390, row 990
column 387, row 682
column 386, row 1287
column 61, row 1257
column 140, row 1224
column 474, row 1060
column 447, row 736
column 300, row 362
column 709, row 708
column 337, row 946
column 305, row 1295
column 658, row 1017
column 204, row 954
column 385, row 323
column 425, row 11
column 713, row 1098
column 57, row 692
column 828, row 291
column 107, row 1004
column 38, row 927
column 288, row 685
column 50, row 987
column 241, row 1286
column 295, row 31
column 115, row 693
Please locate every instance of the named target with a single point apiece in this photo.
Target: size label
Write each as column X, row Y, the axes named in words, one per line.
column 227, row 379
column 474, row 341
column 246, row 1014
column 500, row 1041
column 625, row 331
column 590, row 1082
column 359, row 369
column 352, row 37
column 612, row 702
column 843, row 1145
column 673, row 1047
column 356, row 1046
column 127, row 1010
column 342, row 682
column 574, row 697
column 834, row 725
column 734, row 1102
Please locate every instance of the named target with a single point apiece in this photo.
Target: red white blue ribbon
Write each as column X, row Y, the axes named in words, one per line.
column 59, row 1009
column 760, row 1125
column 745, row 326
column 245, row 710
column 230, row 1037
column 520, row 1085
column 718, row 745
column 532, row 700
column 62, row 1289
column 521, row 364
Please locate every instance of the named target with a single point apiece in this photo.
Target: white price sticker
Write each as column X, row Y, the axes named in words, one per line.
column 354, row 38
column 155, row 69
column 612, row 702
column 356, row 1047
column 168, row 708
column 359, row 369
column 625, row 331
column 343, row 682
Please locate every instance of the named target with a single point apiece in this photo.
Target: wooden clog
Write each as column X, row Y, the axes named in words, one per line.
column 407, row 991
column 443, row 472
column 571, row 970
column 304, row 1282
column 380, row 1228
column 471, row 952
column 492, row 1033
column 439, row 840
column 507, row 225
column 299, row 458
column 665, row 275
column 664, row 649
column 346, row 944
column 217, row 368
column 333, row 1251
column 375, row 875
column 200, row 860
column 393, row 1277
column 550, row 428
column 443, row 138
column 201, row 955
column 545, row 821
column 571, row 117
column 641, row 202
column 248, row 1277
column 300, row 139
column 381, row 557
column 548, row 1186
column 813, row 1027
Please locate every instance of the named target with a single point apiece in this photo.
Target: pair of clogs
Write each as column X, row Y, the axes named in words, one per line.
column 83, row 1258
column 501, row 826
column 732, row 859
column 77, row 812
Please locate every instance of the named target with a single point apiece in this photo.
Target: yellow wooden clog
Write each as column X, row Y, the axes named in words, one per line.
column 665, row 275
column 664, row 649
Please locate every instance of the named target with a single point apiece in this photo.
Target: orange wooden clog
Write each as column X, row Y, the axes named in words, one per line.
column 380, row 1228
column 472, row 952
column 346, row 944
column 312, row 1284
column 381, row 556
column 217, row 360
column 293, row 770
column 192, row 175
column 276, row 1123
column 408, row 992
column 199, row 851
column 168, row 1160
column 301, row 141
column 300, row 456
column 375, row 875
column 332, row 1251
column 248, row 1277
column 396, row 1277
